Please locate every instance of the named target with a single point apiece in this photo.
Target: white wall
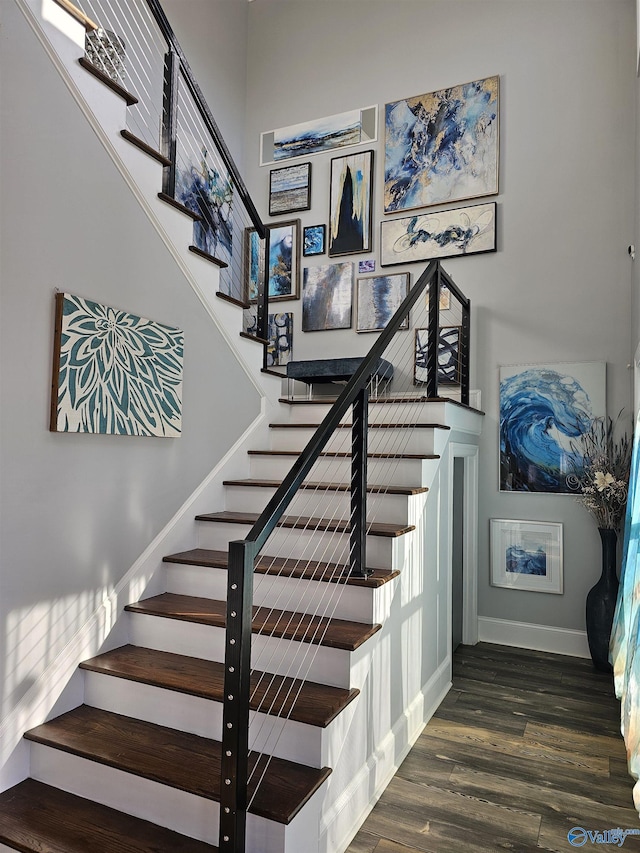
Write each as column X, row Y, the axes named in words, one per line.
column 77, row 510
column 558, row 289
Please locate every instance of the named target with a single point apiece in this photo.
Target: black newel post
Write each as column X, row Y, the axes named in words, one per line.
column 601, row 603
column 359, row 435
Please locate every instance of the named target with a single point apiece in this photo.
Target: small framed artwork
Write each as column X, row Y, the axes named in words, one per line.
column 446, row 234
column 350, row 200
column 526, row 555
column 366, row 266
column 313, row 241
column 327, row 293
column 449, row 355
column 449, row 367
column 378, row 298
column 284, row 261
column 290, row 189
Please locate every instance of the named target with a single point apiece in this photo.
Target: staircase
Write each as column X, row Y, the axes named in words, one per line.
column 137, row 766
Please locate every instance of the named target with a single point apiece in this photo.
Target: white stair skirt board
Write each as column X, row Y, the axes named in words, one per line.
column 348, row 812
column 341, row 601
column 186, row 813
column 543, row 638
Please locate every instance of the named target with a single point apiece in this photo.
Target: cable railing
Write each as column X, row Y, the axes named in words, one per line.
column 135, row 47
column 322, row 520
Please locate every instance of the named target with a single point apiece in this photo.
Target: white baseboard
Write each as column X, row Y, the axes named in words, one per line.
column 544, row 638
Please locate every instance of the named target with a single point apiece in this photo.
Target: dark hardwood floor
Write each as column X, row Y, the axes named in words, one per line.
column 525, row 748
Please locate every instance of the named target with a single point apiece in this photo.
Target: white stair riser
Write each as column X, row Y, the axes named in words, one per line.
column 298, row 544
column 400, row 472
column 359, row 604
column 419, row 440
column 287, row 739
column 312, row 502
column 268, row 654
column 314, row 413
column 186, row 813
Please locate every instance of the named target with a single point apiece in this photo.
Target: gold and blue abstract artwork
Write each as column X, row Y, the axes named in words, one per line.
column 442, row 146
column 114, row 372
column 350, row 200
column 544, row 409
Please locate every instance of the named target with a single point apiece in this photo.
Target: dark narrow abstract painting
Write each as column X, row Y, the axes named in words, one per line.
column 442, row 146
column 350, row 204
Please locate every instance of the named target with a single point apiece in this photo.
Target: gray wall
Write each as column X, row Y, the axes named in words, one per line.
column 213, row 35
column 558, row 289
column 77, row 510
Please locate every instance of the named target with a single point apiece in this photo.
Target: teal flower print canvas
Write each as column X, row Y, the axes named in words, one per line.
column 114, row 372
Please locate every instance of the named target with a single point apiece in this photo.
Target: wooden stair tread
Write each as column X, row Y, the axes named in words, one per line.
column 208, row 257
column 180, row 760
column 331, row 487
column 128, row 98
column 168, row 199
column 145, row 147
column 37, row 818
column 377, row 528
column 400, row 425
column 335, row 455
column 290, row 568
column 303, row 701
column 301, row 627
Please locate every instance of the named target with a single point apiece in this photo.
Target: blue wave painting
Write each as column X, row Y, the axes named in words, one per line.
column 543, row 410
column 442, row 146
column 525, row 562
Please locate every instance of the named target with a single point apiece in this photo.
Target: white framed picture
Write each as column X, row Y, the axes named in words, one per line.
column 526, row 555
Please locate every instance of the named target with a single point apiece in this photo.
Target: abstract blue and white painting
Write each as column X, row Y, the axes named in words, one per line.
column 544, row 409
column 327, row 293
column 114, row 372
column 284, row 261
column 280, row 337
column 314, row 239
column 449, row 372
column 290, row 189
column 206, row 189
column 312, row 137
column 350, row 201
column 442, row 146
column 447, row 234
column 378, row 299
column 526, row 555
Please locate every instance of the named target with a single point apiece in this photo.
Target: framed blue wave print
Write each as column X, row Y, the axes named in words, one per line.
column 113, row 372
column 526, row 555
column 544, row 409
column 442, row 146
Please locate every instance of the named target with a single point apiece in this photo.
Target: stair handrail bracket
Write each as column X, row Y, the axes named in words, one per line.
column 243, row 554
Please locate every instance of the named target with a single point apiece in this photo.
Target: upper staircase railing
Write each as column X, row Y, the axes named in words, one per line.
column 132, row 44
column 423, row 357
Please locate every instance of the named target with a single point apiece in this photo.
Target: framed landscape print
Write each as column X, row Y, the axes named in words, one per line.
column 378, row 298
column 313, row 241
column 442, row 146
column 290, row 189
column 113, row 372
column 544, row 408
column 284, row 261
column 327, row 293
column 526, row 555
column 350, row 202
column 446, row 234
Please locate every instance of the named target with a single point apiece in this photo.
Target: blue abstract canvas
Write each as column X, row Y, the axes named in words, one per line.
column 290, row 189
column 314, row 239
column 442, row 146
column 378, row 299
column 544, row 409
column 206, row 189
column 312, row 137
column 350, row 204
column 284, row 261
column 114, row 372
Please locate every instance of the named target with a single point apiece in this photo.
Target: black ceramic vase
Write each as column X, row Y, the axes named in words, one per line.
column 601, row 603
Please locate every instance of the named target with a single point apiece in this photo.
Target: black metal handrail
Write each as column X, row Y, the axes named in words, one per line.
column 243, row 554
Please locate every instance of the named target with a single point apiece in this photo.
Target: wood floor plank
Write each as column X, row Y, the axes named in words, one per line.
column 533, row 734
